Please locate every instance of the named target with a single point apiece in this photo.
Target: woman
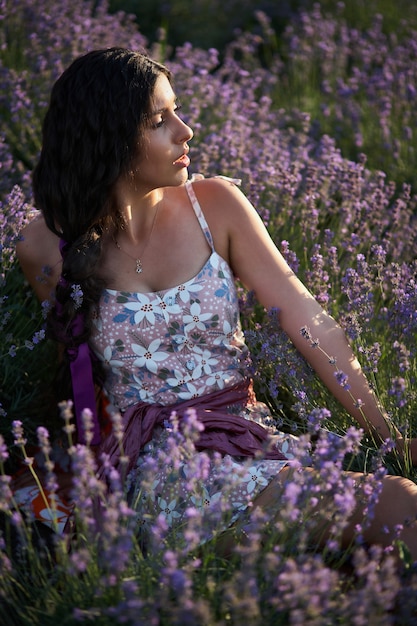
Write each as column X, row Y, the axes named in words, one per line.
column 141, row 269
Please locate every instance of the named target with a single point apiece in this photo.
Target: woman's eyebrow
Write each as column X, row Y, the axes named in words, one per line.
column 172, row 101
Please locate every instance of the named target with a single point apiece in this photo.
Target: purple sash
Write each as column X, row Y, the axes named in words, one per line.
column 81, row 369
column 224, row 432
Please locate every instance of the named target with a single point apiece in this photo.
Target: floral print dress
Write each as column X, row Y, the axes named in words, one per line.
column 172, row 345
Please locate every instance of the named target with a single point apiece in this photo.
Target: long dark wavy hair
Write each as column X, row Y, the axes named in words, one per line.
column 92, row 132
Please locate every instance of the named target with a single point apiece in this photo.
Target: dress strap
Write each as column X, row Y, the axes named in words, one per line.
column 199, row 214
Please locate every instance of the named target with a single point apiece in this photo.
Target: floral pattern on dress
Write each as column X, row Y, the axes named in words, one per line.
column 173, row 344
column 231, row 481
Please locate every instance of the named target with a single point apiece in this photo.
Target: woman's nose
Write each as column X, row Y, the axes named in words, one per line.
column 183, row 132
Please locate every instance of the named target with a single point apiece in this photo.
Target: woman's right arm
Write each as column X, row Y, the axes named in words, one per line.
column 39, row 257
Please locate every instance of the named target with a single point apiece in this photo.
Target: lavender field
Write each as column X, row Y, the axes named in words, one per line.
column 320, row 124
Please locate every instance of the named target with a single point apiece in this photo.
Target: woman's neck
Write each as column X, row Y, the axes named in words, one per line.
column 137, row 211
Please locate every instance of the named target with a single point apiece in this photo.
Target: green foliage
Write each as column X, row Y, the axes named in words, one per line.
column 27, row 377
column 214, row 24
column 204, row 23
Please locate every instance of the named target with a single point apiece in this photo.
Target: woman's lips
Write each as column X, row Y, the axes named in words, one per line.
column 182, row 161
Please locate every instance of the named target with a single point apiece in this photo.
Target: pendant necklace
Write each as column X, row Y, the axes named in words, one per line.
column 137, row 260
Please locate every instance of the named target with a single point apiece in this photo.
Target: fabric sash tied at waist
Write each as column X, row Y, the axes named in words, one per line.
column 223, row 432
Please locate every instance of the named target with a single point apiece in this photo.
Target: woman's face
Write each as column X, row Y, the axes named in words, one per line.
column 163, row 159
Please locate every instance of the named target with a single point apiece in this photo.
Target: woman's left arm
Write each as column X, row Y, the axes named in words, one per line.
column 261, row 268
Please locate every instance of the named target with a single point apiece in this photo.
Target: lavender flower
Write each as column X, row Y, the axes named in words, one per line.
column 18, row 434
column 342, row 379
column 77, row 296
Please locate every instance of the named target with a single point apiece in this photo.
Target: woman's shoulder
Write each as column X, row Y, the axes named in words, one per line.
column 227, row 211
column 217, row 182
column 36, row 241
column 38, row 254
column 216, row 192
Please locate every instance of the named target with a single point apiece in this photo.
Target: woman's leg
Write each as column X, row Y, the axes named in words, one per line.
column 396, row 506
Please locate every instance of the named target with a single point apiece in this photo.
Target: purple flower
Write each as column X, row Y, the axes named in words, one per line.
column 342, row 379
column 18, row 433
column 77, row 296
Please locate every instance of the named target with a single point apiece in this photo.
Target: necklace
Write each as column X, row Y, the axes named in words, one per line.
column 137, row 260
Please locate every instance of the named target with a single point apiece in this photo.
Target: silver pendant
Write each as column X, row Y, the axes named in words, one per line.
column 139, row 268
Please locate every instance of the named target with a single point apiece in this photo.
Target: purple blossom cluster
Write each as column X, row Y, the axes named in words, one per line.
column 363, row 84
column 140, row 570
column 312, row 134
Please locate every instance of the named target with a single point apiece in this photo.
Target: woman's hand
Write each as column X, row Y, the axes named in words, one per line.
column 411, row 449
column 407, row 449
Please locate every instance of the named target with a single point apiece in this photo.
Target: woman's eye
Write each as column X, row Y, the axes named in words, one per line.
column 160, row 122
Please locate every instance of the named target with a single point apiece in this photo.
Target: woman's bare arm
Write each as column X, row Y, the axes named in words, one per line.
column 260, row 266
column 39, row 257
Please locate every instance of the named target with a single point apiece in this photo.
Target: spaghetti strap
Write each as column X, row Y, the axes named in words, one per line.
column 199, row 214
